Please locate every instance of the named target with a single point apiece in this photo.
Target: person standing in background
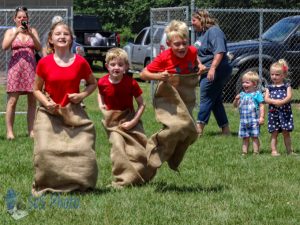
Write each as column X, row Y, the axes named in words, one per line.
column 23, row 40
column 212, row 49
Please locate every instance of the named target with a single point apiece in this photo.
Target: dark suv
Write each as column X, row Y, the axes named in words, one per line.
column 281, row 40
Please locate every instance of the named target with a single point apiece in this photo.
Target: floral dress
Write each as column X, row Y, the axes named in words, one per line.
column 21, row 67
column 279, row 118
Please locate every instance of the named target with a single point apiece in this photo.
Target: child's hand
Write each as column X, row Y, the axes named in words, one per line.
column 128, row 125
column 201, row 68
column 51, row 106
column 236, row 100
column 75, row 98
column 164, row 76
column 103, row 107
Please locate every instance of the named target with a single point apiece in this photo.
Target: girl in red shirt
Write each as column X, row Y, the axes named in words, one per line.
column 64, row 140
column 62, row 71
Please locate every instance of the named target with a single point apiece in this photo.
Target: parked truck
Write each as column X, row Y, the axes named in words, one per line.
column 281, row 40
column 139, row 51
column 92, row 38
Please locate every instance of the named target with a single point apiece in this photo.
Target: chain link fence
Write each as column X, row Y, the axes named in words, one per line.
column 256, row 38
column 40, row 19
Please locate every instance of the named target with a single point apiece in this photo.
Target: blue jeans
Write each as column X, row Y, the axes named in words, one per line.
column 211, row 97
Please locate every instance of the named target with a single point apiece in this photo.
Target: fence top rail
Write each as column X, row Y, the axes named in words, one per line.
column 168, row 8
column 37, row 10
column 257, row 10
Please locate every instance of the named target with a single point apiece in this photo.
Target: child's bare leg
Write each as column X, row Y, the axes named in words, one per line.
column 256, row 145
column 274, row 143
column 287, row 141
column 245, row 145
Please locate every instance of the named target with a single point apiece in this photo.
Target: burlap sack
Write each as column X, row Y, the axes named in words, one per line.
column 64, row 151
column 128, row 153
column 173, row 104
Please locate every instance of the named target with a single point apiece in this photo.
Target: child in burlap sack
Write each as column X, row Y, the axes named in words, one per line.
column 64, row 140
column 122, row 121
column 174, row 98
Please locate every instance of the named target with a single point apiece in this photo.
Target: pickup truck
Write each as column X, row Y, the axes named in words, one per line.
column 92, row 38
column 281, row 40
column 139, row 52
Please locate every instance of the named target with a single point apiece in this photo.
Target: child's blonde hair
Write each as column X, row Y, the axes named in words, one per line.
column 252, row 76
column 177, row 28
column 116, row 53
column 281, row 66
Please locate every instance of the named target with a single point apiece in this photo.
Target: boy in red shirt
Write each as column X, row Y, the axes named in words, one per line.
column 174, row 99
column 122, row 122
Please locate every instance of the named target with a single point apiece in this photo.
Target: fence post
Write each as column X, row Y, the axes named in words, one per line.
column 261, row 28
column 192, row 28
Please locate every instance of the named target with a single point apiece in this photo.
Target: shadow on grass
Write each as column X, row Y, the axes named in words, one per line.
column 98, row 191
column 196, row 188
column 218, row 133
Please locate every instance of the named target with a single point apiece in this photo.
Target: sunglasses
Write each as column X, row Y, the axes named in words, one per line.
column 21, row 8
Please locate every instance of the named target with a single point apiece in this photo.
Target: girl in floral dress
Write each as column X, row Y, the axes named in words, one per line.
column 22, row 40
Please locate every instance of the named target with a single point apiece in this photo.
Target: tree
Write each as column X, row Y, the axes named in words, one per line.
column 135, row 14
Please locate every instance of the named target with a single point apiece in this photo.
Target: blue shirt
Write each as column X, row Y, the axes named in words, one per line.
column 210, row 43
column 257, row 97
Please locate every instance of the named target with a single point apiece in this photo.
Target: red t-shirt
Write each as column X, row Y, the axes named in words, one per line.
column 119, row 96
column 60, row 81
column 170, row 62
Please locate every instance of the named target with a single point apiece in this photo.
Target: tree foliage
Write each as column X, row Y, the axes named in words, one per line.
column 135, row 14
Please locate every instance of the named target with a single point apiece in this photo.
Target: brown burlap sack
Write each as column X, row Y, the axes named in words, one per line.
column 173, row 104
column 128, row 153
column 64, row 151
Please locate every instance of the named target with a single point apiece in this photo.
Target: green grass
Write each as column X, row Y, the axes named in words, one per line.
column 216, row 185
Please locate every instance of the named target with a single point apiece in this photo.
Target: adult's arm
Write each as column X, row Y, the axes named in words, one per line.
column 215, row 63
column 35, row 37
column 9, row 37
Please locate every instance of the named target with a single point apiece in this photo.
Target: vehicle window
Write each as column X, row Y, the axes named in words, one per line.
column 148, row 38
column 158, row 35
column 138, row 40
column 279, row 31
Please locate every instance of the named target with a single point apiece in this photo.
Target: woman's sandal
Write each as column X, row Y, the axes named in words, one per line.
column 275, row 154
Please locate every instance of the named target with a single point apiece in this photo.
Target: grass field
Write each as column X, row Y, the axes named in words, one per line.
column 216, row 185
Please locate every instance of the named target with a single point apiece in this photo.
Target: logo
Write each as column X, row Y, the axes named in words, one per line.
column 16, row 207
